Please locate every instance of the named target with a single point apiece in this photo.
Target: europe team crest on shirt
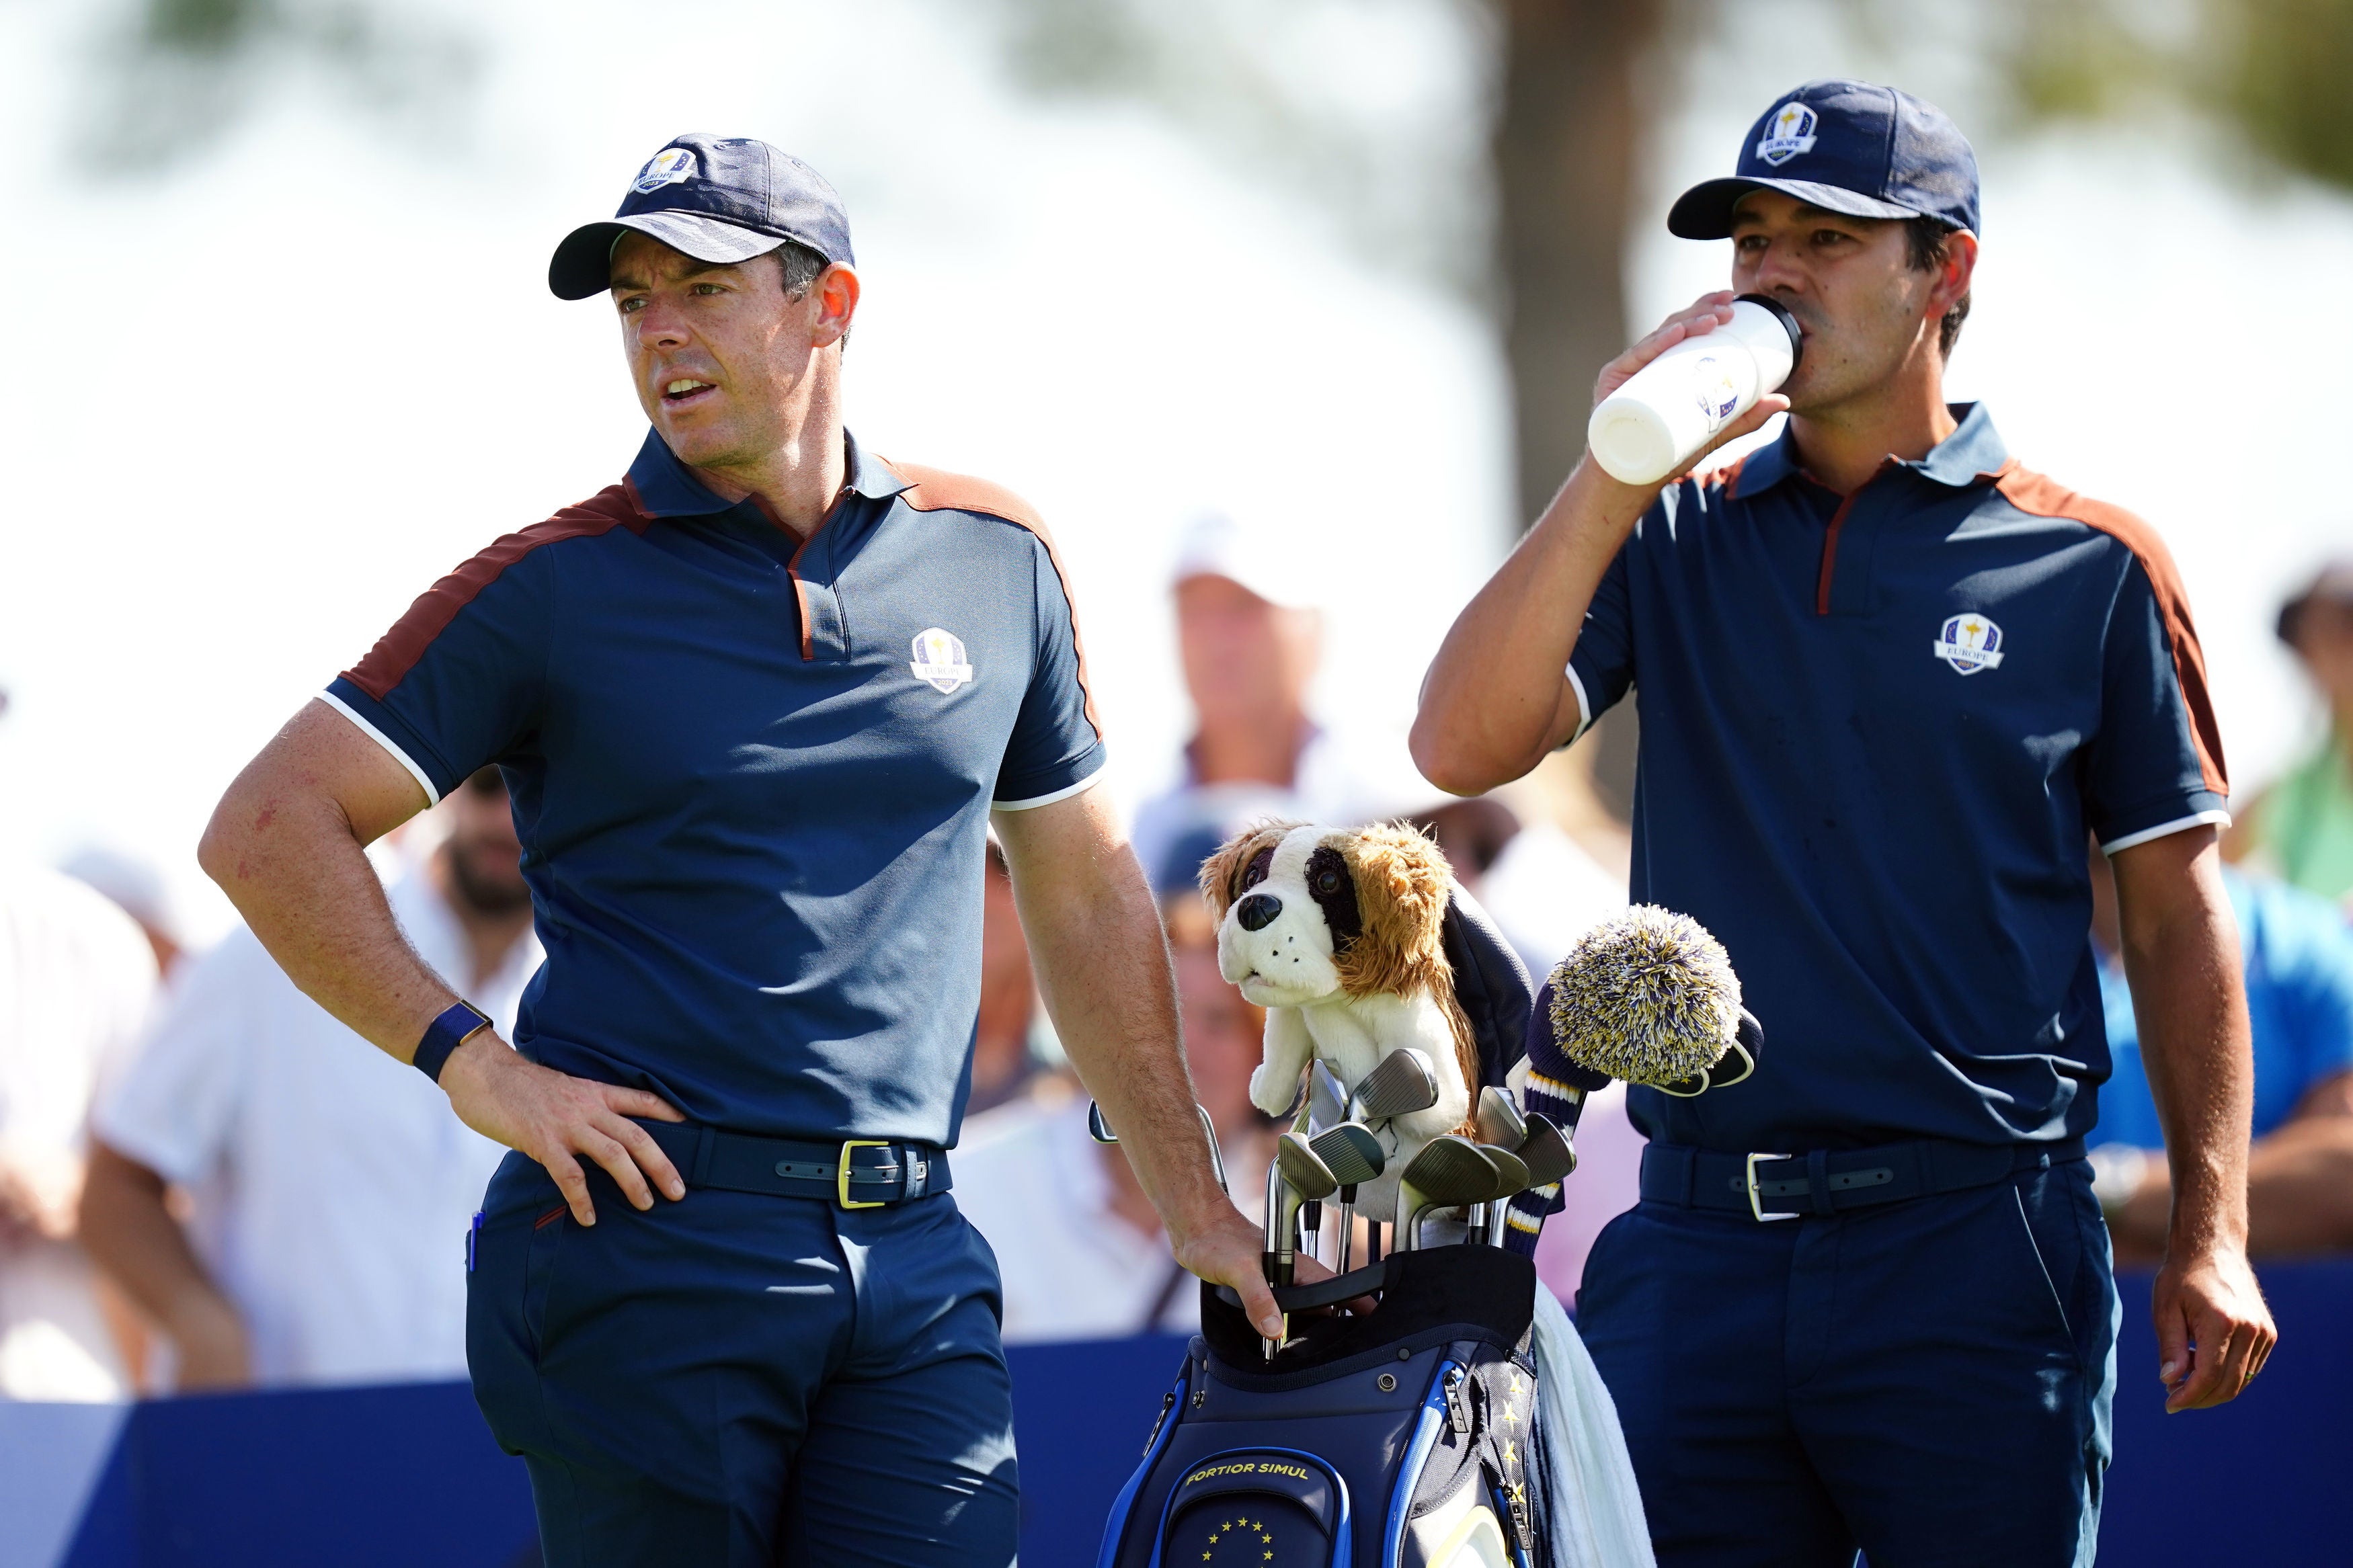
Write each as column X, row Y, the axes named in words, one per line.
column 1786, row 135
column 1969, row 642
column 940, row 659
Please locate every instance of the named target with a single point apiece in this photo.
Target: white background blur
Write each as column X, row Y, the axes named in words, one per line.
column 259, row 399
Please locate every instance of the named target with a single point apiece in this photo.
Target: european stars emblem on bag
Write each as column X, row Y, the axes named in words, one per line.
column 1969, row 642
column 940, row 659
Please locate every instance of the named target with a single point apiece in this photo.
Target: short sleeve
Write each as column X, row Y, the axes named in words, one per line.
column 174, row 1106
column 459, row 677
column 2155, row 767
column 1601, row 666
column 1057, row 746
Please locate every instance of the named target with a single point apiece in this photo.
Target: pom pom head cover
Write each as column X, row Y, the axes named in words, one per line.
column 1649, row 996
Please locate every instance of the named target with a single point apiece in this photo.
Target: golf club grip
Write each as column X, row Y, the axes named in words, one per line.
column 1322, row 1293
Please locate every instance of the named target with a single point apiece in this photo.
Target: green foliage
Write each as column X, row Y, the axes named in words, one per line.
column 2277, row 70
column 2289, row 84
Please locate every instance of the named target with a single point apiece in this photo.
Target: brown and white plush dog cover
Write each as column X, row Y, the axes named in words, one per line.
column 1337, row 933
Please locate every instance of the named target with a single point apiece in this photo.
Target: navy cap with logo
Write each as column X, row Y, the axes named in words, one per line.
column 1853, row 147
column 717, row 198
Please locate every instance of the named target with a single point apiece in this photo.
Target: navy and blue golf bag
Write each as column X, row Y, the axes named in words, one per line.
column 1398, row 1440
column 1401, row 1438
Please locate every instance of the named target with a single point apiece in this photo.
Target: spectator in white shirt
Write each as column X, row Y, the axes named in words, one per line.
column 76, row 981
column 1077, row 1242
column 1250, row 636
column 331, row 1190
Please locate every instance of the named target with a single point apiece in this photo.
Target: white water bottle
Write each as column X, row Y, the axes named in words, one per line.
column 1672, row 406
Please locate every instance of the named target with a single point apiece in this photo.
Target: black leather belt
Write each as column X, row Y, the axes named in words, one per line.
column 857, row 1172
column 1828, row 1181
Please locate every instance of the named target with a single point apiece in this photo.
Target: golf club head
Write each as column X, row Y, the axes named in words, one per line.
column 1448, row 1170
column 1097, row 1128
column 1511, row 1173
column 1547, row 1152
column 1500, row 1125
column 1303, row 1169
column 1351, row 1150
column 1327, row 1100
column 1400, row 1083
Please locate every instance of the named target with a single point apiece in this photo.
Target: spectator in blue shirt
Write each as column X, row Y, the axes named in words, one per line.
column 2298, row 957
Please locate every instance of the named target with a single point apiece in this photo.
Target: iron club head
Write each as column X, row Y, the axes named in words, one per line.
column 1400, row 1083
column 1097, row 1128
column 1511, row 1173
column 1447, row 1172
column 1547, row 1152
column 1500, row 1125
column 1351, row 1150
column 1303, row 1169
column 1327, row 1100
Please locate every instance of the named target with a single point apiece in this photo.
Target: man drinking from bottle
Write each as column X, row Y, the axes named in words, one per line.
column 1890, row 680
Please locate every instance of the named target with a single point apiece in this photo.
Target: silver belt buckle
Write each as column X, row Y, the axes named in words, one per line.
column 1756, row 1204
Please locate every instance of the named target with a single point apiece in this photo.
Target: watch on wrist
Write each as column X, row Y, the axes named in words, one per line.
column 458, row 1023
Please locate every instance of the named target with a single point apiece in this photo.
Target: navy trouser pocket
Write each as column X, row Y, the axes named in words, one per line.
column 512, row 1251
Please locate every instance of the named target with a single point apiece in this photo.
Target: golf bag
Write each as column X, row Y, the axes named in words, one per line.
column 1401, row 1440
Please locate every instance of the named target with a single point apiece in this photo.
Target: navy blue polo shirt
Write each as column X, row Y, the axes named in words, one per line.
column 753, row 778
column 1876, row 731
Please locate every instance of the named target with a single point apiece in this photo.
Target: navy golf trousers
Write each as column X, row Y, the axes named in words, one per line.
column 744, row 1380
column 1927, row 1380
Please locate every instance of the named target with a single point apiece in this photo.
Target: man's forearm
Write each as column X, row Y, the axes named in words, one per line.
column 1103, row 967
column 1494, row 700
column 293, row 861
column 130, row 1233
column 2299, row 1197
column 2183, row 964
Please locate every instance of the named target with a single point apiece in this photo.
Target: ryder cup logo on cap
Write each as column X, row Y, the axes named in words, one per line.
column 1852, row 147
column 667, row 167
column 720, row 199
column 1969, row 642
column 1786, row 135
column 940, row 659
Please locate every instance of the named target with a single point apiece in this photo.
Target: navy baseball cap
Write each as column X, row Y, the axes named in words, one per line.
column 717, row 198
column 1853, row 147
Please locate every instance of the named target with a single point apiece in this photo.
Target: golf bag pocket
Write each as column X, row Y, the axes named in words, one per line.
column 1274, row 1506
column 1398, row 1439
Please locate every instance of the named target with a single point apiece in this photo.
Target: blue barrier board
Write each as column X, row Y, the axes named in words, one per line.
column 366, row 1476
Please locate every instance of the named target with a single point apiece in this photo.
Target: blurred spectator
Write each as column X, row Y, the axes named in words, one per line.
column 2302, row 826
column 1250, row 636
column 1077, row 1242
column 329, row 1188
column 1542, row 888
column 76, row 980
column 139, row 890
column 2298, row 957
column 1009, row 1060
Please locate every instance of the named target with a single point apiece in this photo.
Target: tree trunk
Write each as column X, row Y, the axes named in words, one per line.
column 1566, row 147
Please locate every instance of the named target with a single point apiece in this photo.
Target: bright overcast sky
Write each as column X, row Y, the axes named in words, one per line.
column 260, row 403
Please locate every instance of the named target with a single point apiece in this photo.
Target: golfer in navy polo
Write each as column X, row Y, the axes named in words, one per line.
column 1889, row 680
column 758, row 704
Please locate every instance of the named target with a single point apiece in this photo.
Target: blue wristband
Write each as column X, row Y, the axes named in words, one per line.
column 458, row 1023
